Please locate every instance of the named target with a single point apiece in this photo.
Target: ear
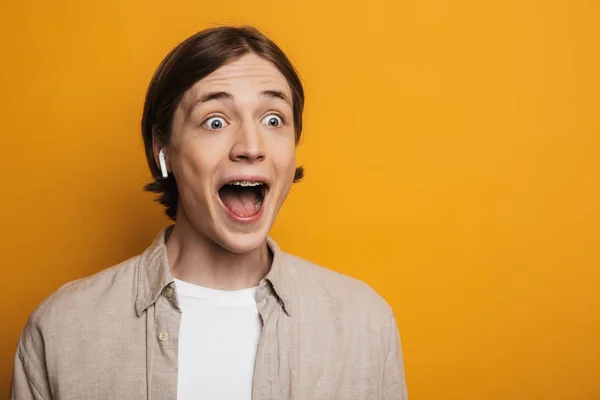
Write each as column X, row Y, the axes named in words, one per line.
column 156, row 148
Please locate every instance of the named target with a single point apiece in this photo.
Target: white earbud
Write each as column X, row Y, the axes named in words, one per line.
column 163, row 164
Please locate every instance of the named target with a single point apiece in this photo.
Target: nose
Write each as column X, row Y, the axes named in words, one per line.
column 248, row 145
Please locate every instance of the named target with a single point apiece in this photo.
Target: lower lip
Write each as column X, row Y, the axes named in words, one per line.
column 245, row 220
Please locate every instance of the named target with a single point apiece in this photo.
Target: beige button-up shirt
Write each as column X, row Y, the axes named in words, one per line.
column 114, row 335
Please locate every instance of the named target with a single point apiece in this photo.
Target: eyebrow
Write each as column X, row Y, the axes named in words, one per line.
column 276, row 94
column 214, row 96
column 210, row 96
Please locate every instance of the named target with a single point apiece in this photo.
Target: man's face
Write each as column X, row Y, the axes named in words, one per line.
column 233, row 151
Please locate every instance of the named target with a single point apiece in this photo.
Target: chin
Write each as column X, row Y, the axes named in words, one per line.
column 242, row 242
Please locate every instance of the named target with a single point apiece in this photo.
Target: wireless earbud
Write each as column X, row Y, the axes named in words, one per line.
column 163, row 164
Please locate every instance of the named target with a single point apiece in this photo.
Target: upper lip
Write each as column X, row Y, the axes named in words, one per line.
column 250, row 178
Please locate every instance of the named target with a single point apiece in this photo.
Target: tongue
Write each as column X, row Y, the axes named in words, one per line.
column 241, row 202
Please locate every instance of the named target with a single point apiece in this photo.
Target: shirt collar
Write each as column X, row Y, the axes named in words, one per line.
column 154, row 274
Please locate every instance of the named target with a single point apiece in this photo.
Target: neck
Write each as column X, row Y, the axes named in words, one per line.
column 198, row 259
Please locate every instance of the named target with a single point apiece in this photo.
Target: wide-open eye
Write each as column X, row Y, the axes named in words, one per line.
column 272, row 120
column 215, row 123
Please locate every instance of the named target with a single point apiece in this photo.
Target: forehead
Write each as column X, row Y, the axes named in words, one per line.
column 249, row 73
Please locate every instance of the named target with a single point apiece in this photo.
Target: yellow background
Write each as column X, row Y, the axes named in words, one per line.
column 452, row 155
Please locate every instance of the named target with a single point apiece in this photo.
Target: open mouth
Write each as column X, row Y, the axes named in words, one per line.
column 244, row 199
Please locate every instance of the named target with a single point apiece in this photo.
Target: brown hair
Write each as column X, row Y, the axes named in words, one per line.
column 190, row 61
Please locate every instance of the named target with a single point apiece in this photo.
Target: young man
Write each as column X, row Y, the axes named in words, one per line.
column 213, row 309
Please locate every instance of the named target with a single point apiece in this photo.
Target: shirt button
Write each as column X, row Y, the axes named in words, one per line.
column 169, row 292
column 163, row 336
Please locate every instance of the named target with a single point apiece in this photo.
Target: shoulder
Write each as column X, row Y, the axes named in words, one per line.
column 80, row 292
column 107, row 290
column 339, row 293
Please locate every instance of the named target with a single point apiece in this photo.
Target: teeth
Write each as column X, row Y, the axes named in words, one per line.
column 245, row 183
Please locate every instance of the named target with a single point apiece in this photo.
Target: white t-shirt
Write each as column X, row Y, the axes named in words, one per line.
column 218, row 339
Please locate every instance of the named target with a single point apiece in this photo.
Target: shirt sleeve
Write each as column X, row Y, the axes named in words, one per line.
column 29, row 380
column 394, row 381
